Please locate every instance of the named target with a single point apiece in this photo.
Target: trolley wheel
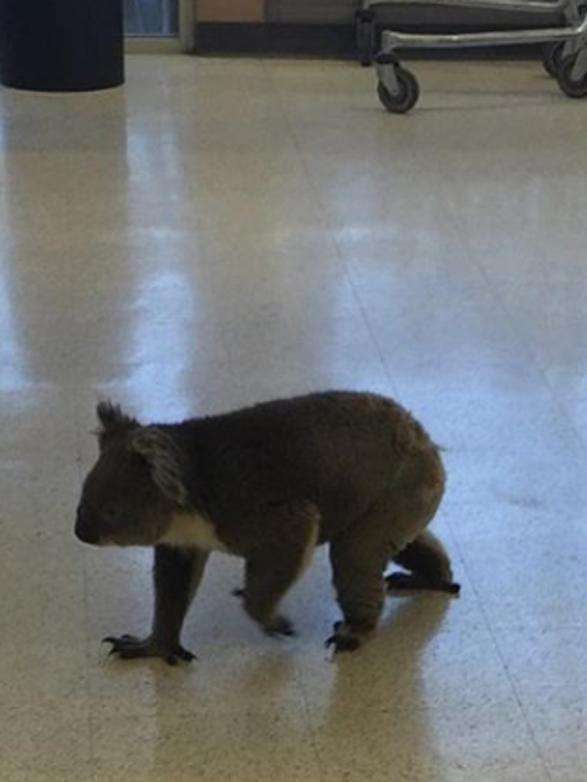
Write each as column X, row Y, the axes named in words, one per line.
column 551, row 57
column 570, row 86
column 408, row 94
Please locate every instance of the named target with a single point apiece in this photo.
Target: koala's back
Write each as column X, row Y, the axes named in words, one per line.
column 339, row 450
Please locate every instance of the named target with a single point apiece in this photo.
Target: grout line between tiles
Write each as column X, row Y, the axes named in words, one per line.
column 349, row 277
column 297, row 148
column 500, row 655
column 338, row 251
column 498, row 300
column 530, row 352
column 312, row 733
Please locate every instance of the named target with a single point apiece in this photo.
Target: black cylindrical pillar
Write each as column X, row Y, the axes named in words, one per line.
column 61, row 45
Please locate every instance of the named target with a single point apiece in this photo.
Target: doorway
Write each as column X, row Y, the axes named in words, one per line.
column 151, row 18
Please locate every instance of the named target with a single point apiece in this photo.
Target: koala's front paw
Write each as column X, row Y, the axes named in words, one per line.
column 279, row 626
column 344, row 638
column 128, row 647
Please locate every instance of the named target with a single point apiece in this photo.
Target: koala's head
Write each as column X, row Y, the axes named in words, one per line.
column 131, row 495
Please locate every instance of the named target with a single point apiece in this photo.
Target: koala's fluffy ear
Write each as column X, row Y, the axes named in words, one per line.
column 113, row 422
column 161, row 454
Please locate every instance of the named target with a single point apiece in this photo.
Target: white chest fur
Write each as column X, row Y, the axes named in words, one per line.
column 190, row 530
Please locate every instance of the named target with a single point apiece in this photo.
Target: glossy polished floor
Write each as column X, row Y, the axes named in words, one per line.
column 221, row 232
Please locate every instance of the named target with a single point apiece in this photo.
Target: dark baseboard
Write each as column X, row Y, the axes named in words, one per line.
column 292, row 39
column 333, row 41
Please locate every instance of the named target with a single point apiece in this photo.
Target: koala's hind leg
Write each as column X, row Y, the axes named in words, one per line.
column 358, row 559
column 277, row 561
column 360, row 554
column 429, row 567
column 177, row 573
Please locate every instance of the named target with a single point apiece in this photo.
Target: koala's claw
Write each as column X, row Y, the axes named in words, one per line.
column 404, row 581
column 238, row 592
column 343, row 643
column 128, row 647
column 343, row 639
column 279, row 626
column 184, row 654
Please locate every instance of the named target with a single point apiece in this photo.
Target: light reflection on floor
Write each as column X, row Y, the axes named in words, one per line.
column 225, row 231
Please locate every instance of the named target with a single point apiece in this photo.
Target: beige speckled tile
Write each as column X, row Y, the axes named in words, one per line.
column 514, row 523
column 43, row 585
column 37, row 425
column 221, row 231
column 429, row 699
column 549, row 669
column 422, row 747
column 287, row 355
column 535, row 583
column 46, row 775
column 226, row 744
column 495, row 423
column 45, row 719
column 537, row 478
column 46, row 736
column 576, row 408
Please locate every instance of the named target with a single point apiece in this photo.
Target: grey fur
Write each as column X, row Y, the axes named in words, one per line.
column 268, row 483
column 161, row 453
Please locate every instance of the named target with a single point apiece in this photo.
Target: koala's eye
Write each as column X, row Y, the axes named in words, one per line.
column 110, row 512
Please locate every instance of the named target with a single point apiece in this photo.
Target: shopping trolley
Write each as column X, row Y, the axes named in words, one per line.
column 564, row 52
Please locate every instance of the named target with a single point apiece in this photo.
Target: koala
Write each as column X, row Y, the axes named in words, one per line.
column 269, row 483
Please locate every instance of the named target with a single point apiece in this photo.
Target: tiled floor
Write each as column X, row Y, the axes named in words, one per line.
column 224, row 231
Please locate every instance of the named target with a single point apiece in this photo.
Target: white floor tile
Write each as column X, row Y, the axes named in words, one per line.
column 222, row 231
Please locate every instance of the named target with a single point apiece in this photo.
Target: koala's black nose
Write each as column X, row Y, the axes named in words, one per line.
column 83, row 529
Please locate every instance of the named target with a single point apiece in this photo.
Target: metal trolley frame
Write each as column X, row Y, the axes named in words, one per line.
column 564, row 52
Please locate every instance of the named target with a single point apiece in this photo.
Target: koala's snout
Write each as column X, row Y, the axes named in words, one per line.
column 83, row 527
